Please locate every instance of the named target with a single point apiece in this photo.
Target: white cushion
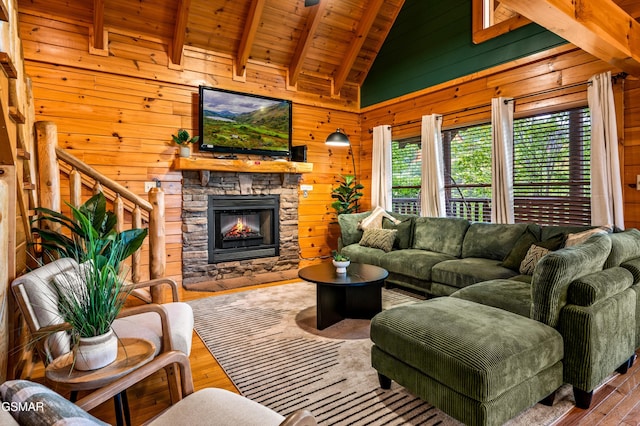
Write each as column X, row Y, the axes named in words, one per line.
column 581, row 237
column 220, row 407
column 148, row 326
column 374, row 220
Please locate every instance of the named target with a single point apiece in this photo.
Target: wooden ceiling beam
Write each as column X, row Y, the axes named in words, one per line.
column 367, row 20
column 98, row 25
column 313, row 20
column 179, row 31
column 599, row 27
column 248, row 35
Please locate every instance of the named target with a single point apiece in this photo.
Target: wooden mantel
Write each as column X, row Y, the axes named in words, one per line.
column 241, row 166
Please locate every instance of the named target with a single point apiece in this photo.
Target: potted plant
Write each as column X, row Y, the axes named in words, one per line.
column 341, row 262
column 184, row 139
column 347, row 194
column 90, row 298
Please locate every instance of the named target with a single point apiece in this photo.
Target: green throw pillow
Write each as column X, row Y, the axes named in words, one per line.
column 379, row 238
column 519, row 250
column 553, row 243
column 404, row 237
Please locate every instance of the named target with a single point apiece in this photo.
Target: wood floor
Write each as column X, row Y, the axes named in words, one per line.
column 615, row 403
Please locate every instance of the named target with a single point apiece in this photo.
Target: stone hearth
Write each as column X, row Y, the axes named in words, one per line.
column 195, row 198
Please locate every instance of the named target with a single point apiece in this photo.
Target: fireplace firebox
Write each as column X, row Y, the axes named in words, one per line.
column 243, row 227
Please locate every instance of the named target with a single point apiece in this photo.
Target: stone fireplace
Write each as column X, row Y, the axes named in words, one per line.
column 238, row 225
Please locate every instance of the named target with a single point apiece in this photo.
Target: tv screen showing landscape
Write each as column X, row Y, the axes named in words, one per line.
column 235, row 122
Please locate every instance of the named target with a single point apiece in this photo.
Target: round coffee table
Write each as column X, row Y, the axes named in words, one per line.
column 356, row 294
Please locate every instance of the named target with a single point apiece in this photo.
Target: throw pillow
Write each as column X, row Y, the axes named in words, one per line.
column 581, row 237
column 552, row 243
column 514, row 258
column 36, row 404
column 534, row 254
column 374, row 220
column 404, row 237
column 379, row 238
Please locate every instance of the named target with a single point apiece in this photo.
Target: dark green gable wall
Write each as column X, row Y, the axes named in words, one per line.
column 431, row 43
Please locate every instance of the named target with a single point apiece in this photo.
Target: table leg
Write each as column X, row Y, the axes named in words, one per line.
column 117, row 403
column 125, row 405
column 363, row 301
column 330, row 302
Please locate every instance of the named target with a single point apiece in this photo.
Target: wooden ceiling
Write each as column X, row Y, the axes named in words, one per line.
column 336, row 39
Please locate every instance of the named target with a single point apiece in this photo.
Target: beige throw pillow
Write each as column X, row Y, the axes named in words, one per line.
column 374, row 220
column 379, row 238
column 533, row 256
column 581, row 237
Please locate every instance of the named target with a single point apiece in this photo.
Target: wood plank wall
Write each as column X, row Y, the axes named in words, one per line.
column 117, row 114
column 467, row 101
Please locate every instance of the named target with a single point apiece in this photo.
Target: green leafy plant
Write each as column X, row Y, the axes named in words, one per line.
column 184, row 138
column 338, row 257
column 80, row 238
column 346, row 194
column 90, row 297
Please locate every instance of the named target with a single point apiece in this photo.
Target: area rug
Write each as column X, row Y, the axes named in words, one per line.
column 267, row 343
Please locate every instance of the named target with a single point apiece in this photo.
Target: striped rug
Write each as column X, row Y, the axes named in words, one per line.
column 266, row 341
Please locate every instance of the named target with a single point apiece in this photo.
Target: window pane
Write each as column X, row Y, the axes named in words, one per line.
column 551, row 168
column 467, row 172
column 406, row 169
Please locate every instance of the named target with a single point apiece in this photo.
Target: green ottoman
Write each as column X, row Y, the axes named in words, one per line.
column 479, row 364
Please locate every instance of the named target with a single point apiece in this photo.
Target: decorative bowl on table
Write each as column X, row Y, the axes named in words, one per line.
column 341, row 266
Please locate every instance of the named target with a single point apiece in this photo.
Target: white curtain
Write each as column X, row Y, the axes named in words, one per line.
column 381, row 168
column 432, row 199
column 606, row 189
column 502, row 160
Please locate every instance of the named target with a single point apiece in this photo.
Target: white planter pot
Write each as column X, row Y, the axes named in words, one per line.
column 341, row 267
column 96, row 352
column 185, row 151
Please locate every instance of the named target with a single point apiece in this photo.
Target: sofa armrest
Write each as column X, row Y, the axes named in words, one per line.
column 633, row 266
column 592, row 288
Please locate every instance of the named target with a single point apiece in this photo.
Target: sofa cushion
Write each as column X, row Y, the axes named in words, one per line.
column 463, row 272
column 491, row 240
column 382, row 239
column 510, row 295
column 350, row 232
column 412, row 262
column 555, row 271
column 580, row 237
column 554, row 230
column 404, row 237
column 624, row 246
column 361, row 254
column 440, row 234
column 519, row 250
column 374, row 220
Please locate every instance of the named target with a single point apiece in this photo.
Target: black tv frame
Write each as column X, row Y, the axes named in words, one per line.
column 237, row 96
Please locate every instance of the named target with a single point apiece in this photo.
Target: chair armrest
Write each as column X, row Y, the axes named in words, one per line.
column 161, row 361
column 633, row 266
column 299, row 418
column 164, row 320
column 592, row 288
column 157, row 282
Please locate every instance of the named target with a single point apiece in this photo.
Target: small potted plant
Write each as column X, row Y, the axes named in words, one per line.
column 184, row 139
column 341, row 262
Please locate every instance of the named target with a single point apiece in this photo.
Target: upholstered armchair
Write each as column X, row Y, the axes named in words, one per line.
column 169, row 325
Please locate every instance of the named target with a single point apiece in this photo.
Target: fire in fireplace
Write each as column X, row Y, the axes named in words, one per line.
column 243, row 227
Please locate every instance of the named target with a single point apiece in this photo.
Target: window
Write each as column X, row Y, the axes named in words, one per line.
column 551, row 170
column 551, row 173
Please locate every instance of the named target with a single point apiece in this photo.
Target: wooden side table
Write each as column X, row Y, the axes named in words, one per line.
column 133, row 353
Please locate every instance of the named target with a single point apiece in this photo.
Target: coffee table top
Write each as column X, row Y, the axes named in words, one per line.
column 357, row 274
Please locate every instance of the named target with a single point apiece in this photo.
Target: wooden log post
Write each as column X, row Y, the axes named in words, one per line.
column 48, row 170
column 136, row 218
column 75, row 188
column 157, row 248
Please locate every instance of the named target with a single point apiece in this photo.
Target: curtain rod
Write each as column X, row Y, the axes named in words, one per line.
column 621, row 75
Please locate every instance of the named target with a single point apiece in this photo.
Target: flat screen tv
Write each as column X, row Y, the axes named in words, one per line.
column 232, row 122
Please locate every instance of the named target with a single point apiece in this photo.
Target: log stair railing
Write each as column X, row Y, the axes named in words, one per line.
column 54, row 161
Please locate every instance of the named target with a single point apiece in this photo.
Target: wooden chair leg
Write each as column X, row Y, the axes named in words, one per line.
column 385, row 382
column 583, row 398
column 626, row 365
column 173, row 380
column 548, row 401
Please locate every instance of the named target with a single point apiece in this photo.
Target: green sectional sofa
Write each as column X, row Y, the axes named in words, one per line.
column 589, row 293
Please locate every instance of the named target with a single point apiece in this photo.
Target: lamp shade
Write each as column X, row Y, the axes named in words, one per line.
column 338, row 138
